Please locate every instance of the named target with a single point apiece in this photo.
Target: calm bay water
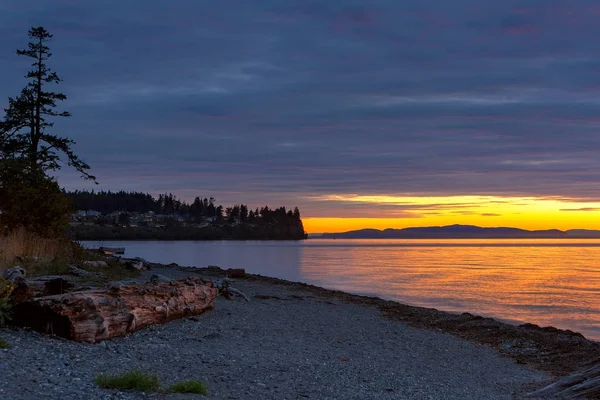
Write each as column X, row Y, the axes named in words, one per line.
column 546, row 282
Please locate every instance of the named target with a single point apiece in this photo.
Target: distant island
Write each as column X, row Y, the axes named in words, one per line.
column 460, row 232
column 123, row 215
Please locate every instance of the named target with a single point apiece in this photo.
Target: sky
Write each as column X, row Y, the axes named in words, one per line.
column 379, row 113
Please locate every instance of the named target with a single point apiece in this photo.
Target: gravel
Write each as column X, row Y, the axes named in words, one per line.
column 284, row 344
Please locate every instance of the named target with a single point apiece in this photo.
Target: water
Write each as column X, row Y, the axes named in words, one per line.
column 547, row 282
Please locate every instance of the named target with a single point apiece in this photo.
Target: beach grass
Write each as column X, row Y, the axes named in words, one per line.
column 4, row 344
column 191, row 386
column 41, row 256
column 146, row 382
column 22, row 245
column 131, row 380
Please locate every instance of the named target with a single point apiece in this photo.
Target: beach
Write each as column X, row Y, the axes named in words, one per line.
column 295, row 341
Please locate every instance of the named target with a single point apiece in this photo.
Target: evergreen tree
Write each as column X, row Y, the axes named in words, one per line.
column 27, row 118
column 29, row 197
column 243, row 212
column 219, row 213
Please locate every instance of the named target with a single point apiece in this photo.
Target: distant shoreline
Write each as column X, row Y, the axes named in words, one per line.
column 209, row 233
column 332, row 236
column 461, row 232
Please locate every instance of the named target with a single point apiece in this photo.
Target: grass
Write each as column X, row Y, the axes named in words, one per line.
column 145, row 382
column 53, row 256
column 4, row 344
column 114, row 271
column 132, row 380
column 190, row 386
column 26, row 246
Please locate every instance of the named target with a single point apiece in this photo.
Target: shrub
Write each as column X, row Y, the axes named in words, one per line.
column 190, row 386
column 4, row 344
column 132, row 380
column 5, row 307
column 5, row 311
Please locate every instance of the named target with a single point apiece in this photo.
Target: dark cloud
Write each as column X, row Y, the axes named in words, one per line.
column 279, row 102
column 581, row 209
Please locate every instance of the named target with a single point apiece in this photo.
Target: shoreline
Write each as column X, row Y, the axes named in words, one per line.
column 287, row 342
column 552, row 350
column 296, row 340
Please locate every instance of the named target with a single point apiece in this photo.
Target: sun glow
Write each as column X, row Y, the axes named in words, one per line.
column 486, row 211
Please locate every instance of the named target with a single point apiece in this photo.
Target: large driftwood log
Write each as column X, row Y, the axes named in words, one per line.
column 582, row 384
column 96, row 315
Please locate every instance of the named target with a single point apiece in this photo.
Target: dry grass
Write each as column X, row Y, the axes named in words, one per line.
column 27, row 246
column 54, row 256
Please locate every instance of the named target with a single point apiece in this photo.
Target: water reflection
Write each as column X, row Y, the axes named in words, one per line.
column 547, row 282
column 278, row 259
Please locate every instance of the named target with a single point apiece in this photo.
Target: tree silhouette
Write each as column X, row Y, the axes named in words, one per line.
column 25, row 128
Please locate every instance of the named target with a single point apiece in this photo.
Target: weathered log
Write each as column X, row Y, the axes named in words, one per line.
column 26, row 289
column 15, row 274
column 582, row 384
column 96, row 315
column 95, row 264
column 73, row 270
column 225, row 288
column 112, row 250
column 137, row 263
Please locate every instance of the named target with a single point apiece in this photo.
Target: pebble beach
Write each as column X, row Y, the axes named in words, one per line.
column 285, row 343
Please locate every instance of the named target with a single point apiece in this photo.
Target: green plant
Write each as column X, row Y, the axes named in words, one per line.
column 132, row 380
column 5, row 311
column 190, row 386
column 4, row 344
column 6, row 289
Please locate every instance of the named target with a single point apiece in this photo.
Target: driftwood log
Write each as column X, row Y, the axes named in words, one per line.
column 136, row 263
column 26, row 289
column 582, row 384
column 225, row 288
column 95, row 315
column 112, row 250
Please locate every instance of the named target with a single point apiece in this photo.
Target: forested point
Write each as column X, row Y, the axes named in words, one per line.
column 105, row 215
column 31, row 198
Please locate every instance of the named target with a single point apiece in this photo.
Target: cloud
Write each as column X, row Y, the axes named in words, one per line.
column 281, row 103
column 581, row 209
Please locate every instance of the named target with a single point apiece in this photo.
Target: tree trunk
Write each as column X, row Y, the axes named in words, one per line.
column 95, row 315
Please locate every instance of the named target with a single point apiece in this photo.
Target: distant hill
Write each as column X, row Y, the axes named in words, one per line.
column 460, row 232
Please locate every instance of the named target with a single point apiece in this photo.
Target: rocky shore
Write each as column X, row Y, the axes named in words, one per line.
column 297, row 341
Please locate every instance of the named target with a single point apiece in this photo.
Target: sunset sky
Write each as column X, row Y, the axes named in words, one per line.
column 379, row 113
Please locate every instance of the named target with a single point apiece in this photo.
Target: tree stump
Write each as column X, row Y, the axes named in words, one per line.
column 95, row 315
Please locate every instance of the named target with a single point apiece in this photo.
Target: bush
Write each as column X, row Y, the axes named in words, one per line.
column 190, row 386
column 4, row 344
column 35, row 203
column 5, row 311
column 132, row 380
column 5, row 307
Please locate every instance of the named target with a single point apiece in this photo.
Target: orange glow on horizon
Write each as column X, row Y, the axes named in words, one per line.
column 486, row 211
